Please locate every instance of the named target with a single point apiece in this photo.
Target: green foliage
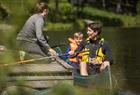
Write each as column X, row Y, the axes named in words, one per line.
column 19, row 90
column 79, row 24
column 66, row 11
column 18, row 9
column 59, row 26
column 63, row 89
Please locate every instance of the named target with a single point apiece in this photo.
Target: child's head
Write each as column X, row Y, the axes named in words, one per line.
column 78, row 37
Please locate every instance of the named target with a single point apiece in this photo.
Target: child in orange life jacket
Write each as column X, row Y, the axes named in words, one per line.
column 74, row 43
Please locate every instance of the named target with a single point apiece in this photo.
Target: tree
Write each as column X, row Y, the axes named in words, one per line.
column 119, row 6
column 80, row 4
column 104, row 3
column 57, row 5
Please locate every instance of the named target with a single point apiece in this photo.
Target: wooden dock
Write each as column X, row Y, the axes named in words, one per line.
column 40, row 75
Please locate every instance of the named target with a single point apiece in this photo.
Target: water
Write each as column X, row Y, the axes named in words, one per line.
column 125, row 46
column 124, row 43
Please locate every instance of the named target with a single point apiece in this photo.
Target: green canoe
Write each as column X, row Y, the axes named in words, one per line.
column 102, row 79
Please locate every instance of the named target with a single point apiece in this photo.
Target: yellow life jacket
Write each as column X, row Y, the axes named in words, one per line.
column 99, row 52
column 99, row 55
column 85, row 55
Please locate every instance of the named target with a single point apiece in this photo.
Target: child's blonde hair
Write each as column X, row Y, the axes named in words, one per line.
column 78, row 35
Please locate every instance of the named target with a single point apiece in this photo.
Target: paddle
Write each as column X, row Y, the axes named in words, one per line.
column 32, row 60
column 41, row 58
column 110, row 78
column 47, row 57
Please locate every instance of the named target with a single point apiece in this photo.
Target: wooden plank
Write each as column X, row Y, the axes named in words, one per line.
column 64, row 64
column 37, row 78
column 35, row 68
column 41, row 84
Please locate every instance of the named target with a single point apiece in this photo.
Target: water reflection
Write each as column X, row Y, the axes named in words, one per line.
column 125, row 47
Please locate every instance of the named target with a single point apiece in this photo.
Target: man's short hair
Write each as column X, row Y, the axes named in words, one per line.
column 96, row 27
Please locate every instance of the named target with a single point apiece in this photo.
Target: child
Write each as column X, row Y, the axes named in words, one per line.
column 74, row 43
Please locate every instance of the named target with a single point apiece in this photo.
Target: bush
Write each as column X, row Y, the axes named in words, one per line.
column 66, row 12
column 63, row 14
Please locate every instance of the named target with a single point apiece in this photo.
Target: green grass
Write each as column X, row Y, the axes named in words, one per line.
column 97, row 14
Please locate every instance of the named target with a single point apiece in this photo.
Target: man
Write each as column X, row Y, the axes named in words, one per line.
column 31, row 38
column 99, row 51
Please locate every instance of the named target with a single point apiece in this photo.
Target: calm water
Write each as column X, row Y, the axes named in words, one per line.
column 125, row 46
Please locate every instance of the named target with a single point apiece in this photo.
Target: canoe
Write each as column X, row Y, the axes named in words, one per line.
column 102, row 79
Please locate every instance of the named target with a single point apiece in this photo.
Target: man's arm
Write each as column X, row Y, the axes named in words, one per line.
column 109, row 59
column 39, row 33
column 107, row 52
column 40, row 37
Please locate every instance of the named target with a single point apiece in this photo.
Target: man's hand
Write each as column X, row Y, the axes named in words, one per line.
column 52, row 52
column 104, row 65
column 71, row 53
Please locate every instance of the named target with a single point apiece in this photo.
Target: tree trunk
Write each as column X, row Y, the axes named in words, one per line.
column 104, row 4
column 57, row 5
column 119, row 7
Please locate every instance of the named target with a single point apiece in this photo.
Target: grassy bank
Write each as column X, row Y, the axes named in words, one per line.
column 112, row 19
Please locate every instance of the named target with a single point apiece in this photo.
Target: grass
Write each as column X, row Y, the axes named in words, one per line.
column 125, row 20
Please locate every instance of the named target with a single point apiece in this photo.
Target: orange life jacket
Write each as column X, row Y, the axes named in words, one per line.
column 73, row 46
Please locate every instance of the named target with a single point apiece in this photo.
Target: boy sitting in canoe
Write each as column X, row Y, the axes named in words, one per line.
column 73, row 44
